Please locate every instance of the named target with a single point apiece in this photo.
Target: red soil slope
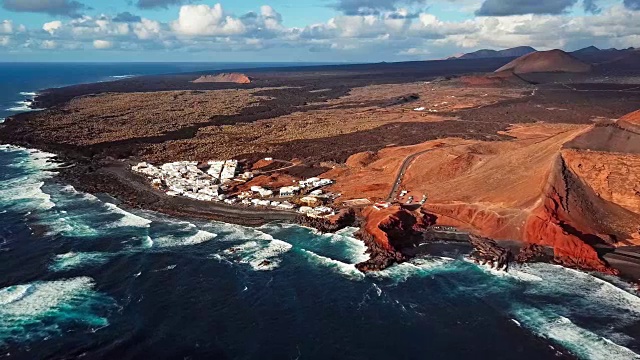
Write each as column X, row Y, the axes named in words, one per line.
column 546, row 61
column 630, row 122
column 533, row 189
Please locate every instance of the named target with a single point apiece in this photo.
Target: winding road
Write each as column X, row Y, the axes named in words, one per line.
column 405, row 165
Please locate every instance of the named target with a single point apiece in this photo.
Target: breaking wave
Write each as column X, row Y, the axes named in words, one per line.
column 583, row 343
column 73, row 260
column 128, row 219
column 418, row 267
column 354, row 250
column 24, row 189
column 260, row 255
column 122, row 76
column 199, row 237
column 37, row 310
column 23, row 106
column 347, row 270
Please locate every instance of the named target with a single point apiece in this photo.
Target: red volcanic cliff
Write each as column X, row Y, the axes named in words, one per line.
column 387, row 231
column 568, row 216
column 561, row 222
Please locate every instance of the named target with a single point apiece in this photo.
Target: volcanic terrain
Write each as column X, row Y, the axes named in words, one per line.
column 545, row 62
column 552, row 162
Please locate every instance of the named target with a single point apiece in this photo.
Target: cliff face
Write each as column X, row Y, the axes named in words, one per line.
column 387, row 231
column 560, row 222
column 576, row 192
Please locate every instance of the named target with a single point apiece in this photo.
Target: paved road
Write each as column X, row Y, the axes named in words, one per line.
column 403, row 169
column 601, row 90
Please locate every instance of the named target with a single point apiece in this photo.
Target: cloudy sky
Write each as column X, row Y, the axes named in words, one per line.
column 304, row 30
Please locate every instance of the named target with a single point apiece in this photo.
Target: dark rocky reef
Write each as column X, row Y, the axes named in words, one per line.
column 487, row 251
column 343, row 219
column 533, row 253
column 380, row 257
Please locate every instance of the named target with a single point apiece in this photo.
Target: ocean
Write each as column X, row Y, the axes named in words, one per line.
column 82, row 276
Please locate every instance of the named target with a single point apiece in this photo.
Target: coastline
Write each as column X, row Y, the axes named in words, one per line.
column 102, row 167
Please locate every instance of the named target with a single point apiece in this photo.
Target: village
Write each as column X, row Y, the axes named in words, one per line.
column 222, row 180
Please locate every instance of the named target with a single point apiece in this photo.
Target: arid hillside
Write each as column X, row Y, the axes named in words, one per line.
column 546, row 62
column 530, row 188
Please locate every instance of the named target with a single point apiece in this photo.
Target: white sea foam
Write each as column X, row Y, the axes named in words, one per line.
column 233, row 232
column 74, row 260
column 127, row 219
column 419, row 267
column 147, row 242
column 596, row 292
column 29, row 93
column 582, row 342
column 25, row 191
column 516, row 272
column 29, row 194
column 72, row 191
column 578, row 294
column 35, row 310
column 39, row 297
column 260, row 255
column 199, row 237
column 122, row 76
column 23, row 106
column 348, row 270
column 354, row 249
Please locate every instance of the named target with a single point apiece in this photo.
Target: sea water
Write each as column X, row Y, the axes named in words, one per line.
column 84, row 277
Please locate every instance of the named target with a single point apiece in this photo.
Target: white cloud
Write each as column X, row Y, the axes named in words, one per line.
column 395, row 33
column 147, row 29
column 49, row 44
column 102, row 44
column 6, row 27
column 52, row 26
column 202, row 20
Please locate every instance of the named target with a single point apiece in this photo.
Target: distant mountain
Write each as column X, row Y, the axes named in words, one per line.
column 625, row 61
column 486, row 53
column 594, row 55
column 546, row 62
column 588, row 50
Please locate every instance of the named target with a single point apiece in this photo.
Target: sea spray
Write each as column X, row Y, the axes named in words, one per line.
column 347, row 270
column 75, row 260
column 582, row 342
column 33, row 311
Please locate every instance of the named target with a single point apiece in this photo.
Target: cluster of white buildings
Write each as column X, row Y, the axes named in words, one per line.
column 183, row 178
column 207, row 183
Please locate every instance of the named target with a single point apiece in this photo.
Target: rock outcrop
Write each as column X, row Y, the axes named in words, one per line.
column 487, row 251
column 630, row 122
column 235, row 78
column 343, row 219
column 386, row 232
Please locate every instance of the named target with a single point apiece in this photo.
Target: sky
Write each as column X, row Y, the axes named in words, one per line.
column 304, row 30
